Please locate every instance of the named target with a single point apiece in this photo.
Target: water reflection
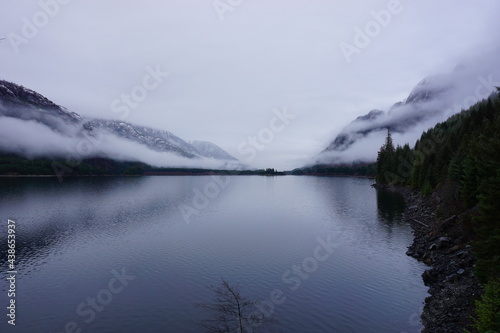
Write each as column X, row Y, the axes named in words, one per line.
column 50, row 213
column 252, row 232
column 390, row 206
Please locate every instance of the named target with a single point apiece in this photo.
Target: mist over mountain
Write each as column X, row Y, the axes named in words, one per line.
column 432, row 100
column 211, row 150
column 33, row 126
column 157, row 140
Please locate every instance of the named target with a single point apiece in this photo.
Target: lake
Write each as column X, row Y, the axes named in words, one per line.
column 134, row 254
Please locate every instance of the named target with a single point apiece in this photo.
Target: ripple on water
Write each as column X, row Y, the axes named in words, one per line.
column 254, row 234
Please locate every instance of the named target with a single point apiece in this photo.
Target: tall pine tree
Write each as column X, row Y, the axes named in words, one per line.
column 385, row 161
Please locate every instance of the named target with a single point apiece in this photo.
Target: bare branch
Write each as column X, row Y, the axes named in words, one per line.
column 229, row 311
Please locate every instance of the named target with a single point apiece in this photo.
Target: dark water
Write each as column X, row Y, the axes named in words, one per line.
column 145, row 250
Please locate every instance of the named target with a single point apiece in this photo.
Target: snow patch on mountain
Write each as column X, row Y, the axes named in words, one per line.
column 211, row 150
column 32, row 110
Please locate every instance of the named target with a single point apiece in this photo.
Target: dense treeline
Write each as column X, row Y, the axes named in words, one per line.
column 11, row 164
column 15, row 165
column 198, row 171
column 358, row 170
column 465, row 150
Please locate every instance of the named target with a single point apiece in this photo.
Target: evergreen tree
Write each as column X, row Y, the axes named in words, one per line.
column 385, row 160
column 465, row 149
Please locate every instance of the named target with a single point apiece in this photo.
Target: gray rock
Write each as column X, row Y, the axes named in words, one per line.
column 429, row 276
column 452, row 278
column 443, row 242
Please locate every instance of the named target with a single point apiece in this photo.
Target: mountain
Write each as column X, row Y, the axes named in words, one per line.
column 432, row 100
column 35, row 107
column 401, row 116
column 346, row 138
column 16, row 96
column 157, row 140
column 18, row 102
column 211, row 150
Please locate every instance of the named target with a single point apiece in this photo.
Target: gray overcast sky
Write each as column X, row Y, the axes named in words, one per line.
column 230, row 62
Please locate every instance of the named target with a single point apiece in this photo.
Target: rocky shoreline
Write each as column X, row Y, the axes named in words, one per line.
column 443, row 244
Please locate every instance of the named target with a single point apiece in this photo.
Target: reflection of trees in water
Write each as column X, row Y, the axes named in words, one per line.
column 32, row 244
column 60, row 211
column 391, row 206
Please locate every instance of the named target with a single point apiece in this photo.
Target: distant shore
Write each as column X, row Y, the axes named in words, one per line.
column 159, row 173
column 208, row 173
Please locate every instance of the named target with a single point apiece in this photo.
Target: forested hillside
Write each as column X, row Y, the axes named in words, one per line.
column 15, row 165
column 350, row 169
column 464, row 151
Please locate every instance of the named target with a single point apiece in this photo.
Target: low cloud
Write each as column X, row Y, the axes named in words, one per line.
column 433, row 100
column 34, row 140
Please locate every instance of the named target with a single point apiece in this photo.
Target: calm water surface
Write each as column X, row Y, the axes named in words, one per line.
column 334, row 247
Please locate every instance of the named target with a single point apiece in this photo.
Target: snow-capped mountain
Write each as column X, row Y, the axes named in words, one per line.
column 401, row 116
column 432, row 100
column 211, row 150
column 35, row 107
column 346, row 138
column 157, row 140
column 24, row 104
column 13, row 95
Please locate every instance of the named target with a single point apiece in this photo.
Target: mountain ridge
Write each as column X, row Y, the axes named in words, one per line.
column 25, row 104
column 430, row 101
